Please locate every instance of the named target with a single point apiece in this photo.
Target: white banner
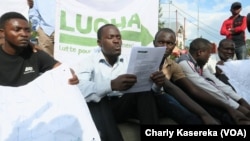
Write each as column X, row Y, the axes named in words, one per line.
column 77, row 22
column 46, row 109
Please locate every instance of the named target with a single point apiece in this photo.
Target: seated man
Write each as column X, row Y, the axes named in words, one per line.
column 225, row 53
column 103, row 77
column 20, row 64
column 192, row 65
column 168, row 105
column 176, row 104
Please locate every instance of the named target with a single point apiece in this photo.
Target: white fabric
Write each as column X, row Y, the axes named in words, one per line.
column 238, row 71
column 212, row 62
column 46, row 109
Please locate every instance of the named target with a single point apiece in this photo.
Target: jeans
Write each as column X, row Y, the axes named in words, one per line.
column 241, row 52
column 169, row 107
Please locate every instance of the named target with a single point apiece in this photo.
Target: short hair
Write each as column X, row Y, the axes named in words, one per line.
column 99, row 32
column 225, row 40
column 10, row 15
column 168, row 30
column 199, row 44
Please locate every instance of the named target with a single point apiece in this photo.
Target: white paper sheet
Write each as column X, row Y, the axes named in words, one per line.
column 47, row 109
column 238, row 72
column 143, row 62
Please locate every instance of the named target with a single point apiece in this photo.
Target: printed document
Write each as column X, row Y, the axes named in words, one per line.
column 143, row 62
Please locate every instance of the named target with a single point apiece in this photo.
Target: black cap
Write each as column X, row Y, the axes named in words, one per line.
column 236, row 5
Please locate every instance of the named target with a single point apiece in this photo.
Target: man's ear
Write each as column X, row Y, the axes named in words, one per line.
column 1, row 36
column 1, row 32
column 99, row 43
column 199, row 52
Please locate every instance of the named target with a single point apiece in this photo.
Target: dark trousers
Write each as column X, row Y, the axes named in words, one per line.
column 223, row 116
column 241, row 52
column 169, row 107
column 112, row 110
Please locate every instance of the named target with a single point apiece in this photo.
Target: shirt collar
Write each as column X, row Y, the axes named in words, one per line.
column 192, row 59
column 168, row 61
column 101, row 57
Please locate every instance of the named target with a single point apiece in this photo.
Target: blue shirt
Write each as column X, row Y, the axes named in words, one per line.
column 95, row 75
column 43, row 14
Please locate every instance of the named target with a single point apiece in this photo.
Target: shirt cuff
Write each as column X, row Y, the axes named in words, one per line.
column 156, row 88
column 92, row 97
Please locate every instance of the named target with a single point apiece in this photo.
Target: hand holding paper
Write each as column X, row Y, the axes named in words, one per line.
column 143, row 62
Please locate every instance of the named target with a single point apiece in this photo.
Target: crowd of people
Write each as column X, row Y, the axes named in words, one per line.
column 191, row 90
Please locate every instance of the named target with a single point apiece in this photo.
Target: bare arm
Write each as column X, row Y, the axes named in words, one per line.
column 185, row 100
column 203, row 96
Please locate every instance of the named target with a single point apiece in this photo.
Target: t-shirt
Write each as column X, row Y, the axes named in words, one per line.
column 17, row 70
column 172, row 70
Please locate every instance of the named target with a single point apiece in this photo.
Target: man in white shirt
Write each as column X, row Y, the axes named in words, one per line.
column 42, row 16
column 192, row 65
column 103, row 77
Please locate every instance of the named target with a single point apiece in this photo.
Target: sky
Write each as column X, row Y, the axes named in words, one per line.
column 203, row 18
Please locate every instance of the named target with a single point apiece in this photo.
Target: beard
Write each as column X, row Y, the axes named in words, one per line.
column 18, row 49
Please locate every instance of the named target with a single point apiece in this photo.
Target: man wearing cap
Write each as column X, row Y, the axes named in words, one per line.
column 234, row 28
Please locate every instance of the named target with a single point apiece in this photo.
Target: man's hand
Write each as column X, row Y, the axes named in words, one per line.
column 239, row 117
column 74, row 80
column 209, row 120
column 244, row 103
column 35, row 47
column 231, row 30
column 123, row 82
column 158, row 78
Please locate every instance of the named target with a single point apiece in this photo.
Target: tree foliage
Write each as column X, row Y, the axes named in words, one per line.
column 160, row 23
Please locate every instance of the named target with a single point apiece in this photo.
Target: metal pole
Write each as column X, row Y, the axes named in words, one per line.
column 184, row 32
column 198, row 18
column 170, row 2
